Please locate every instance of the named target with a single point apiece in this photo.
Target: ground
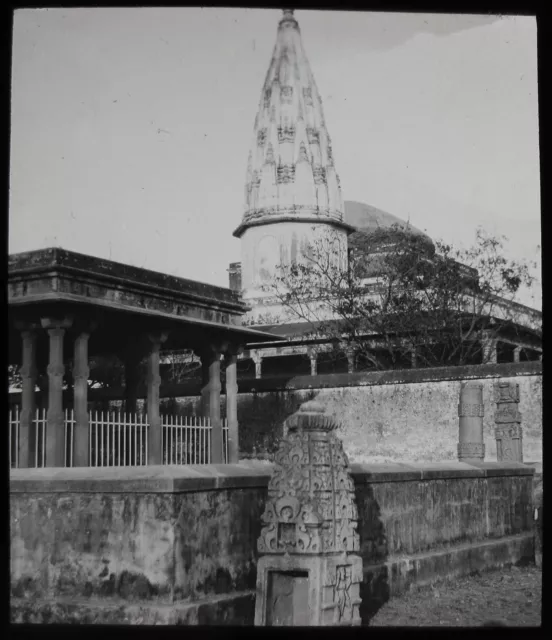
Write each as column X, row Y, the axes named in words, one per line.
column 510, row 596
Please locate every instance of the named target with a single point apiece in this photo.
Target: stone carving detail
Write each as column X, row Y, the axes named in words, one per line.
column 471, row 450
column 269, row 154
column 313, row 135
column 286, row 94
column 471, row 410
column 286, row 134
column 319, row 174
column 307, row 95
column 508, row 430
column 470, row 429
column 311, row 516
column 261, row 137
column 267, row 96
column 285, row 173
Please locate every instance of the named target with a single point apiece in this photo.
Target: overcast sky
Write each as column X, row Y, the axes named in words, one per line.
column 131, row 127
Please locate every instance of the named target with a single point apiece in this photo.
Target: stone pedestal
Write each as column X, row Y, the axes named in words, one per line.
column 471, row 411
column 508, row 431
column 308, row 572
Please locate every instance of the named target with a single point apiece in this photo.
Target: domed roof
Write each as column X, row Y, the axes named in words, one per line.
column 366, row 218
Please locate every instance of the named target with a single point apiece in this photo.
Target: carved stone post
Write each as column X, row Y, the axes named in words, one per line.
column 414, row 358
column 28, row 372
column 232, row 403
column 313, row 362
column 471, row 411
column 258, row 360
column 210, row 365
column 309, row 571
column 155, row 433
column 517, row 352
column 350, row 359
column 508, row 431
column 81, row 373
column 55, row 433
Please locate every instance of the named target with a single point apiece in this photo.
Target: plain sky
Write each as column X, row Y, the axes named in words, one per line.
column 131, row 127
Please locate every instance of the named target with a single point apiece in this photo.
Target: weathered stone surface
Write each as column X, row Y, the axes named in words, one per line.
column 508, row 430
column 131, row 550
column 309, row 571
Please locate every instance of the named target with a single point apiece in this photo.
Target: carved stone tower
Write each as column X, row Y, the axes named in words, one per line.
column 309, row 570
column 292, row 191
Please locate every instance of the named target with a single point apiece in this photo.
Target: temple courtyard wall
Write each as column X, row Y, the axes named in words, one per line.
column 167, row 545
column 389, row 416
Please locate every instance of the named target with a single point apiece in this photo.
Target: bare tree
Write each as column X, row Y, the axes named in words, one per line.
column 401, row 296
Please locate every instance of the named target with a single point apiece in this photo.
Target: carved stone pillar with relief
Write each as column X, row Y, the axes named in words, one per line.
column 309, row 571
column 55, row 431
column 471, row 411
column 508, row 431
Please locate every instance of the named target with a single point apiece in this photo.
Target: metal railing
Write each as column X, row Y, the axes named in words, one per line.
column 118, row 439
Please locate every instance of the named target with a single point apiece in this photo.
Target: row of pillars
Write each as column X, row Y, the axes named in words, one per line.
column 508, row 430
column 55, row 441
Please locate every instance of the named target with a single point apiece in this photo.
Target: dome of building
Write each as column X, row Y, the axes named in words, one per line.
column 376, row 233
column 364, row 217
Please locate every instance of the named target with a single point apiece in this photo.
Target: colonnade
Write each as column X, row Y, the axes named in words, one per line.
column 211, row 357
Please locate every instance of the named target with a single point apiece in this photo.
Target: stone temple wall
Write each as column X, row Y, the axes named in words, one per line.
column 177, row 545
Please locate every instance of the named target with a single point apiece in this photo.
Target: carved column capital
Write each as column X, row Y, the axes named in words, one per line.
column 157, row 338
column 56, row 324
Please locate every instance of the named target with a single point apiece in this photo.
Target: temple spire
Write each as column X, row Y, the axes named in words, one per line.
column 290, row 131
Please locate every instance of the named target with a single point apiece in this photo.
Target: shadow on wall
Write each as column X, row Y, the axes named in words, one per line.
column 374, row 589
column 262, row 419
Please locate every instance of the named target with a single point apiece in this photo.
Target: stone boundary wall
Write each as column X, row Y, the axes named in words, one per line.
column 390, row 416
column 168, row 545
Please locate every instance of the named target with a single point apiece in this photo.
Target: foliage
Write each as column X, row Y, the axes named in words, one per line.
column 400, row 294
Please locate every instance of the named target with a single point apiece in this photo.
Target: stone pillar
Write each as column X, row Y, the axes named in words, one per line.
column 210, row 365
column 350, row 359
column 28, row 372
column 81, row 373
column 488, row 345
column 517, row 351
column 155, row 432
column 413, row 359
column 313, row 362
column 309, row 570
column 232, row 403
column 258, row 360
column 508, row 431
column 55, row 432
column 471, row 411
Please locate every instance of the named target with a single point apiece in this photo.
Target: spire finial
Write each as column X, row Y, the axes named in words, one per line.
column 288, row 16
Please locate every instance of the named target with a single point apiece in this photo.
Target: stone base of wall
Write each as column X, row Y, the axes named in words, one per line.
column 381, row 582
column 228, row 609
column 396, row 576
